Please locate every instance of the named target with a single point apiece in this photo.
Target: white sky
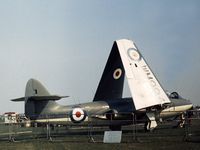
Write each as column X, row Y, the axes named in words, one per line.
column 65, row 44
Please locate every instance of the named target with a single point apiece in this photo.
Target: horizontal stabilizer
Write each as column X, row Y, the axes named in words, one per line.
column 40, row 98
column 50, row 97
column 18, row 99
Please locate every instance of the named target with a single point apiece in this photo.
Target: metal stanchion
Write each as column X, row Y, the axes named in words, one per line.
column 48, row 131
column 90, row 127
column 10, row 131
column 135, row 127
column 187, row 127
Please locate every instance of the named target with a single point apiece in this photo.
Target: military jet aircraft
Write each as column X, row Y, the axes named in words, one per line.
column 148, row 100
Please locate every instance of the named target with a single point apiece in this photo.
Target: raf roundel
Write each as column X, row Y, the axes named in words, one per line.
column 117, row 73
column 133, row 54
column 78, row 115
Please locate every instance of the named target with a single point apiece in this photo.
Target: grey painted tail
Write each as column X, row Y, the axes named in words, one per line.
column 35, row 88
column 33, row 106
column 38, row 101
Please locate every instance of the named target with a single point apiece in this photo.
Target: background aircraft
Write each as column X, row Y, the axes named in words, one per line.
column 149, row 101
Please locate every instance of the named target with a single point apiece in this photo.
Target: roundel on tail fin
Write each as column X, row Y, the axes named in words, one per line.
column 117, row 73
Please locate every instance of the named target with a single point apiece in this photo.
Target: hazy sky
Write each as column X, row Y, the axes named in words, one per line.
column 65, row 44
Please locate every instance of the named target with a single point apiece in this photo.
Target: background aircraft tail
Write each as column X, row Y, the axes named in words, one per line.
column 34, row 90
column 37, row 99
column 112, row 80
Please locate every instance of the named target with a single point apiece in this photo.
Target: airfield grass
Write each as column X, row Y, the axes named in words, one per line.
column 165, row 137
column 45, row 145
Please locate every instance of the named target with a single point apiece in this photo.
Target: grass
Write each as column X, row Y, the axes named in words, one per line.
column 45, row 145
column 164, row 137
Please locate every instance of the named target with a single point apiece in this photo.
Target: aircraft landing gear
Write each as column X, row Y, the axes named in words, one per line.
column 182, row 121
column 151, row 124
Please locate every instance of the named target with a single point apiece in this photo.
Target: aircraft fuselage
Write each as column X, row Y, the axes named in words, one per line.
column 113, row 112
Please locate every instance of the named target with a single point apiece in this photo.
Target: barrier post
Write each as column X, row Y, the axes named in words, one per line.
column 135, row 127
column 48, row 130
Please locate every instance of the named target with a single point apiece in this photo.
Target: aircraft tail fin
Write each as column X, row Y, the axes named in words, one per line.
column 112, row 80
column 35, row 88
column 145, row 89
column 37, row 99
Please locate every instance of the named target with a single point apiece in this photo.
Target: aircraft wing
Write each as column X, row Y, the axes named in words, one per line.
column 145, row 89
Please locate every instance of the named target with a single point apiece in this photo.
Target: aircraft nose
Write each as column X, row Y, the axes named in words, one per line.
column 185, row 105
